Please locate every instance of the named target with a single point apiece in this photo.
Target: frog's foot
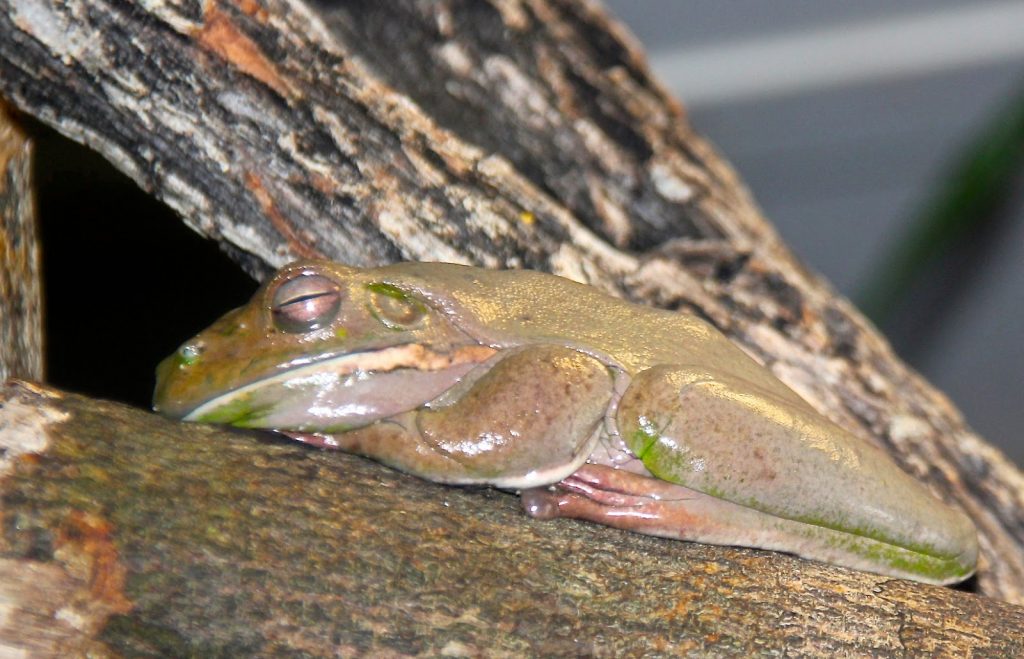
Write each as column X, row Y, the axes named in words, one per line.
column 624, row 500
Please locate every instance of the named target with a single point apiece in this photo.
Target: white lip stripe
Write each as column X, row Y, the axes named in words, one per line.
column 410, row 355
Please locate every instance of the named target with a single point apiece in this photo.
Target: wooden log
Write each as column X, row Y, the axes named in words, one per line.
column 510, row 133
column 126, row 533
column 21, row 304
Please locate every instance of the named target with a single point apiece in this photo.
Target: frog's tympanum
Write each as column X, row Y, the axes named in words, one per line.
column 589, row 406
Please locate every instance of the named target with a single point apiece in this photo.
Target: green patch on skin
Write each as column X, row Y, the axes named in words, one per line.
column 393, row 307
column 641, row 441
column 645, row 439
column 187, row 356
column 241, row 412
column 390, row 290
column 899, row 558
column 910, row 557
column 715, row 492
column 340, row 333
column 668, row 464
column 873, row 534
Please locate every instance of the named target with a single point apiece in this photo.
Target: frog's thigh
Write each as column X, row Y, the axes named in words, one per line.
column 723, row 436
column 531, row 420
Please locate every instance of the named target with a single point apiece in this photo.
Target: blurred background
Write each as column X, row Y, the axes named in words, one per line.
column 885, row 141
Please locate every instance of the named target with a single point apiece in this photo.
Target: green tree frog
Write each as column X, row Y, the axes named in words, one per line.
column 589, row 406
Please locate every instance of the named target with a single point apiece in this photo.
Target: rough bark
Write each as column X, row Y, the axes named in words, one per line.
column 21, row 323
column 170, row 540
column 506, row 133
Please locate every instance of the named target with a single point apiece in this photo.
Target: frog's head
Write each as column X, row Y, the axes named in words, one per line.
column 320, row 348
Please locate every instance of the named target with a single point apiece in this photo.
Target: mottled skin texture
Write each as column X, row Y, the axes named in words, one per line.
column 593, row 407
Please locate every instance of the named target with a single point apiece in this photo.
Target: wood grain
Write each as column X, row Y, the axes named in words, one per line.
column 164, row 539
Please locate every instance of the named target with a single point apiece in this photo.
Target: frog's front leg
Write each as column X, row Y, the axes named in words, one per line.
column 528, row 418
column 735, row 464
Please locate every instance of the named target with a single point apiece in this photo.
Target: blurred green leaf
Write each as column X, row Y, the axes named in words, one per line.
column 969, row 200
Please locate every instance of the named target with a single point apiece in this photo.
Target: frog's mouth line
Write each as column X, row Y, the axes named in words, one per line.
column 410, row 356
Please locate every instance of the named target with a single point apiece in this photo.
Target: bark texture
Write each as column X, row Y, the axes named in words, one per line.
column 508, row 133
column 163, row 539
column 21, row 321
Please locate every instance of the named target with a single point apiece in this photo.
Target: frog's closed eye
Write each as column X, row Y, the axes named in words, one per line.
column 305, row 303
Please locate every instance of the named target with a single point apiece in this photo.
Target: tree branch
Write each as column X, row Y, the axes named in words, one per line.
column 145, row 527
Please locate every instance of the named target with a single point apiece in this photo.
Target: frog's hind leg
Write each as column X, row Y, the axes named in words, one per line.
column 642, row 504
column 764, row 450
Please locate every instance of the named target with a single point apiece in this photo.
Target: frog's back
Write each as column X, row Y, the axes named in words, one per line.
column 511, row 307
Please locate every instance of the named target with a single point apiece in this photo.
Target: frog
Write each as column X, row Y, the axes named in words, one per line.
column 586, row 405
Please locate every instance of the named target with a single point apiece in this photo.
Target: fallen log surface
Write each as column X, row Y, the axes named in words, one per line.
column 126, row 533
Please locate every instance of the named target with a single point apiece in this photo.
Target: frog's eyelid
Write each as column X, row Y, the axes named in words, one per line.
column 304, row 303
column 303, row 287
column 304, row 297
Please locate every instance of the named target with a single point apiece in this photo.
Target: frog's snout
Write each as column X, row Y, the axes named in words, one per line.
column 169, row 376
